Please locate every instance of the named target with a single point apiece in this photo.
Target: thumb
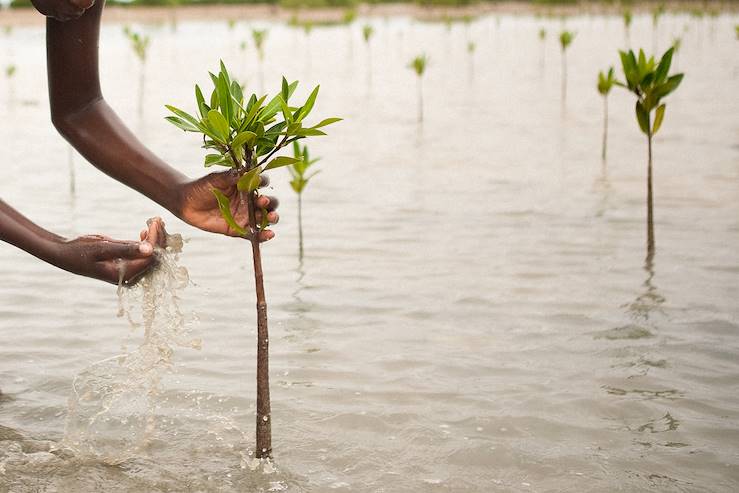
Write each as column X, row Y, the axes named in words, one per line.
column 222, row 180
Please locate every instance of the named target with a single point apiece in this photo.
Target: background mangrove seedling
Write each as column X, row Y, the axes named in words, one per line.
column 605, row 83
column 140, row 46
column 543, row 39
column 10, row 71
column 565, row 39
column 736, row 31
column 299, row 181
column 657, row 12
column 628, row 18
column 471, row 47
column 649, row 82
column 418, row 65
column 350, row 15
column 677, row 43
column 367, row 32
column 245, row 134
column 259, row 36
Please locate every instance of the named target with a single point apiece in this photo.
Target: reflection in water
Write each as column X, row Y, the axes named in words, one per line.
column 650, row 299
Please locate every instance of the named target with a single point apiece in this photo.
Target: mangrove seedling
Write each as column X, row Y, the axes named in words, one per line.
column 605, row 83
column 245, row 134
column 299, row 181
column 418, row 65
column 471, row 47
column 367, row 32
column 657, row 12
column 10, row 71
column 565, row 39
column 650, row 82
column 543, row 38
column 259, row 36
column 140, row 46
column 628, row 18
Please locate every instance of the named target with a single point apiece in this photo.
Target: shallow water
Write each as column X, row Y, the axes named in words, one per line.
column 473, row 312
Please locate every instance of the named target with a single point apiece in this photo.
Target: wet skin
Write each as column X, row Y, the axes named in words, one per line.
column 80, row 113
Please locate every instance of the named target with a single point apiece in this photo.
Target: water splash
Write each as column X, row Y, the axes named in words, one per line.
column 111, row 409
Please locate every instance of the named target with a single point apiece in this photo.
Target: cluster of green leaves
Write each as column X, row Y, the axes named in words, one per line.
column 650, row 82
column 139, row 42
column 300, row 166
column 10, row 71
column 367, row 32
column 246, row 133
column 259, row 36
column 418, row 64
column 565, row 39
column 606, row 80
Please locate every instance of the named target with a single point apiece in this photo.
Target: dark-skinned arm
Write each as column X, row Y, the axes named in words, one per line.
column 95, row 256
column 85, row 119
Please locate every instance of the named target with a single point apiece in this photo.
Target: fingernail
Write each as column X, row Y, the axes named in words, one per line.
column 145, row 247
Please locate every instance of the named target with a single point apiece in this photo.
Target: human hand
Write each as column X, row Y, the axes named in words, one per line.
column 199, row 207
column 106, row 259
column 62, row 10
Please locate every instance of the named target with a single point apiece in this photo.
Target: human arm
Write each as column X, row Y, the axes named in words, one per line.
column 94, row 256
column 84, row 118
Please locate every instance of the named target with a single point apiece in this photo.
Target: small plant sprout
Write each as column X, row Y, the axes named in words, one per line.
column 10, row 71
column 367, row 32
column 299, row 181
column 140, row 46
column 628, row 18
column 259, row 36
column 565, row 39
column 543, row 39
column 650, row 82
column 418, row 65
column 231, row 24
column 471, row 47
column 605, row 83
column 657, row 12
column 245, row 134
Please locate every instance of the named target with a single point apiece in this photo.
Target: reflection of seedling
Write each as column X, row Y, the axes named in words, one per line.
column 650, row 82
column 418, row 65
column 565, row 39
column 300, row 181
column 140, row 46
column 605, row 83
column 244, row 135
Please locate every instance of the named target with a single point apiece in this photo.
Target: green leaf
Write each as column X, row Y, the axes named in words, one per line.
column 326, row 122
column 249, row 181
column 285, row 110
column 202, row 107
column 185, row 116
column 216, row 159
column 219, row 125
column 285, row 90
column 658, row 117
column 281, row 161
column 245, row 137
column 182, row 124
column 668, row 86
column 310, row 132
column 224, row 98
column 308, row 106
column 664, row 66
column 642, row 117
column 224, row 205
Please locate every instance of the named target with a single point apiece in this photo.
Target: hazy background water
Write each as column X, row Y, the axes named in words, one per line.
column 473, row 312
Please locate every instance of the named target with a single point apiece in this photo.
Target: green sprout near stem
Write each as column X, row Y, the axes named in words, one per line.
column 565, row 40
column 299, row 181
column 245, row 134
column 418, row 65
column 650, row 82
column 606, row 80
